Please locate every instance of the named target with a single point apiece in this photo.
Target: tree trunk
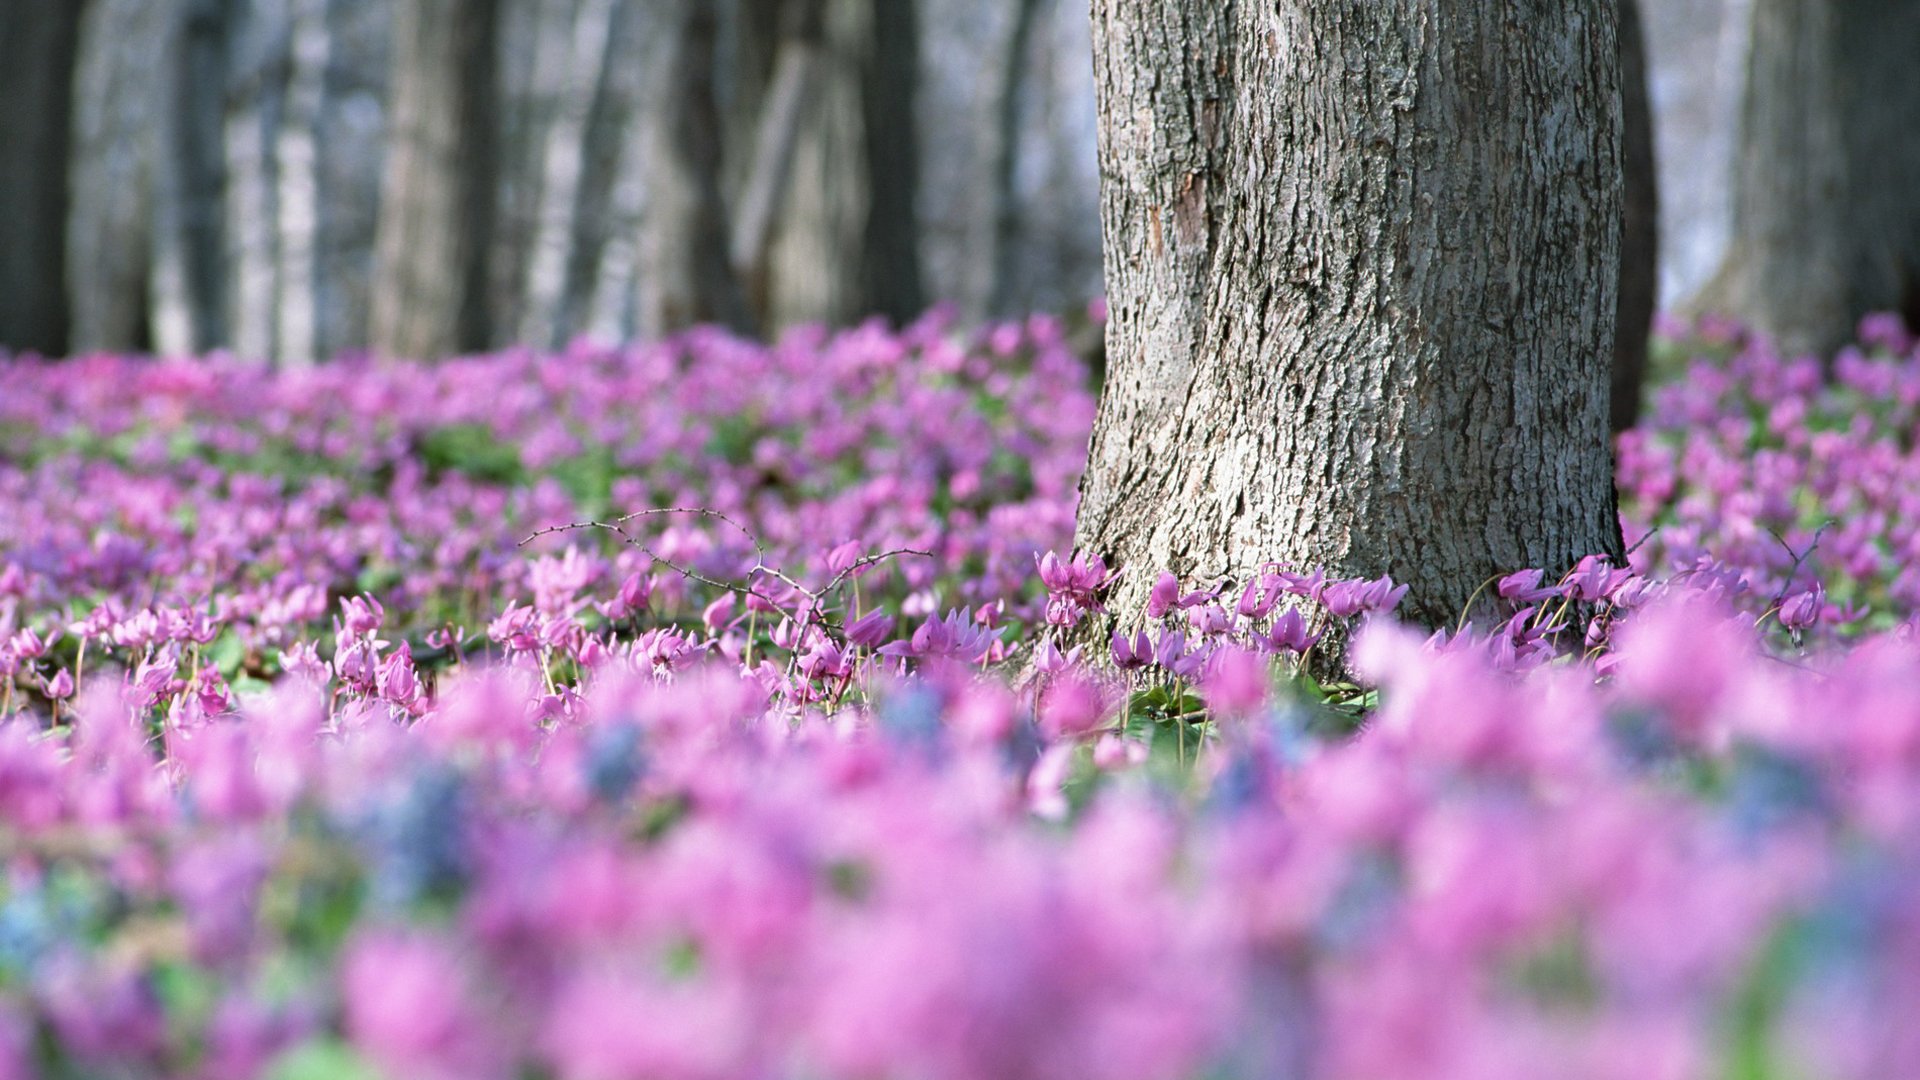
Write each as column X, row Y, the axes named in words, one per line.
column 189, row 295
column 255, row 105
column 548, row 296
column 846, row 245
column 39, row 45
column 1362, row 262
column 437, row 191
column 688, row 276
column 1002, row 255
column 299, row 201
column 1640, row 230
column 119, row 101
column 1826, row 227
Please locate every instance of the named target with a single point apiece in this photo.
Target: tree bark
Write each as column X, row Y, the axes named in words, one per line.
column 1640, row 227
column 39, row 46
column 1362, row 263
column 1826, row 227
column 437, row 191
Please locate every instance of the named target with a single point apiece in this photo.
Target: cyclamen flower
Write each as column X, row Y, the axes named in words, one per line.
column 1594, row 579
column 1131, row 653
column 60, row 687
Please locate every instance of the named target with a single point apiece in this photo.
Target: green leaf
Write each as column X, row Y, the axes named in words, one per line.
column 323, row 1059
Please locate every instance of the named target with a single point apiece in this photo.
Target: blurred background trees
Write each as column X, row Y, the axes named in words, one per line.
column 282, row 178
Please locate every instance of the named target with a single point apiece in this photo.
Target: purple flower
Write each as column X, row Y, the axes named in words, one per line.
column 1289, row 634
column 1803, row 609
column 1524, row 587
column 1349, row 598
column 361, row 614
column 870, row 630
column 1131, row 653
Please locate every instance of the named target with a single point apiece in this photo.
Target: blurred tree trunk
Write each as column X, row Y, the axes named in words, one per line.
column 1640, row 235
column 1008, row 130
column 1826, row 226
column 437, row 191
column 254, row 110
column 551, row 286
column 688, row 275
column 1362, row 262
column 39, row 46
column 120, row 107
column 847, row 241
column 188, row 292
column 303, row 226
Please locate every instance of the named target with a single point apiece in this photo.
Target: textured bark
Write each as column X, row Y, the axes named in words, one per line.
column 39, row 46
column 1826, row 227
column 437, row 191
column 1640, row 229
column 1362, row 263
column 120, row 98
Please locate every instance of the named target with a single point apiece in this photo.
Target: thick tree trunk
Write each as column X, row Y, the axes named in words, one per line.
column 1826, row 227
column 1640, row 231
column 437, row 192
column 1362, row 262
column 39, row 46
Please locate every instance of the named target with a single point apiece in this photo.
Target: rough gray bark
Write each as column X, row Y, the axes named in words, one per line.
column 39, row 45
column 437, row 190
column 1640, row 229
column 120, row 96
column 1826, row 227
column 1361, row 263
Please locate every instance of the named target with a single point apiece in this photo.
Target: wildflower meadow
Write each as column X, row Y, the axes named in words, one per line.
column 710, row 710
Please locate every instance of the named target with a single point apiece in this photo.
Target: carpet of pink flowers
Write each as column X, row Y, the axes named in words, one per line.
column 350, row 727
